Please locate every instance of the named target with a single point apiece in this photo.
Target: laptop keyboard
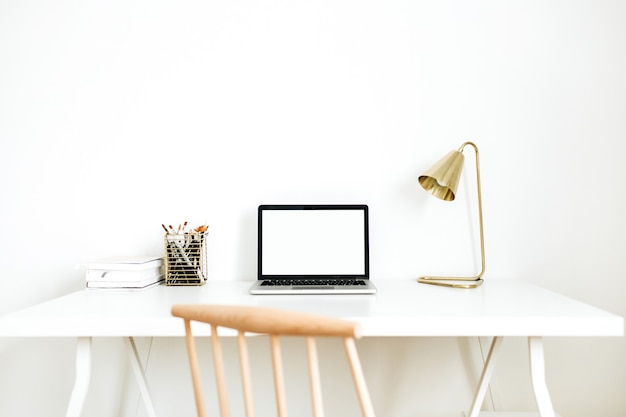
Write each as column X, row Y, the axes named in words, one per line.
column 316, row 282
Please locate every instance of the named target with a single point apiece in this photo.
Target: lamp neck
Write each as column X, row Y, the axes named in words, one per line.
column 472, row 144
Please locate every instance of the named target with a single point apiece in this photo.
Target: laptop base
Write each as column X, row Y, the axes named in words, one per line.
column 259, row 289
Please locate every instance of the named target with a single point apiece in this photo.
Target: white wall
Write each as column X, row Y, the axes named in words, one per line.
column 118, row 116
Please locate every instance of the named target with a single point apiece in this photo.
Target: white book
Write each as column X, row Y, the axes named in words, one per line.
column 126, row 263
column 126, row 284
column 113, row 275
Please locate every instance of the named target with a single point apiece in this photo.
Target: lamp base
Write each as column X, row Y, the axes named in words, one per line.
column 452, row 282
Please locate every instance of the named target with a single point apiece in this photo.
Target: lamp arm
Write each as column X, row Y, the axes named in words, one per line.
column 480, row 209
column 466, row 282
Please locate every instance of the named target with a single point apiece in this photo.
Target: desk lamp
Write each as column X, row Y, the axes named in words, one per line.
column 441, row 180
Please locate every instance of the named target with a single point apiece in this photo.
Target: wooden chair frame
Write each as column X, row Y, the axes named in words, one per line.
column 274, row 323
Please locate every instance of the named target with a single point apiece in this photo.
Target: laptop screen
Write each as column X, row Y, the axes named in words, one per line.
column 302, row 241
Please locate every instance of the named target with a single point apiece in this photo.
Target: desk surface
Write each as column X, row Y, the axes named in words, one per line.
column 400, row 308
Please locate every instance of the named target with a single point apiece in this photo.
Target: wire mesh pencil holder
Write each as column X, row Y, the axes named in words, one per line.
column 185, row 259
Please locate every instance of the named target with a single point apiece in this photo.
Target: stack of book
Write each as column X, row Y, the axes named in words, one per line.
column 125, row 272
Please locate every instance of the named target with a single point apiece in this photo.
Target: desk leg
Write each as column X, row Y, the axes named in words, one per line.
column 490, row 362
column 140, row 377
column 537, row 374
column 83, row 374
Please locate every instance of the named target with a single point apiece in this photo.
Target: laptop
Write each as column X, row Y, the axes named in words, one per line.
column 313, row 249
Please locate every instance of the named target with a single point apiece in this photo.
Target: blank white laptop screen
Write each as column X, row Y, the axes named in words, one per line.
column 323, row 242
column 313, row 249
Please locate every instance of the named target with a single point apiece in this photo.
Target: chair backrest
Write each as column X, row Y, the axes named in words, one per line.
column 275, row 323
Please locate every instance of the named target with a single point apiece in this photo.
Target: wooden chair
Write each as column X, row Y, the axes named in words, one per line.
column 275, row 323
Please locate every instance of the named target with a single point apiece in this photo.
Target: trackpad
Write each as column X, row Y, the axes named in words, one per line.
column 312, row 287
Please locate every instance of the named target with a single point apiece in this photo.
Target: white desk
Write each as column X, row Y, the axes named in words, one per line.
column 498, row 308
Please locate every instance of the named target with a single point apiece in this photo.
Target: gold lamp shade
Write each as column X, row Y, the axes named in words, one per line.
column 442, row 180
